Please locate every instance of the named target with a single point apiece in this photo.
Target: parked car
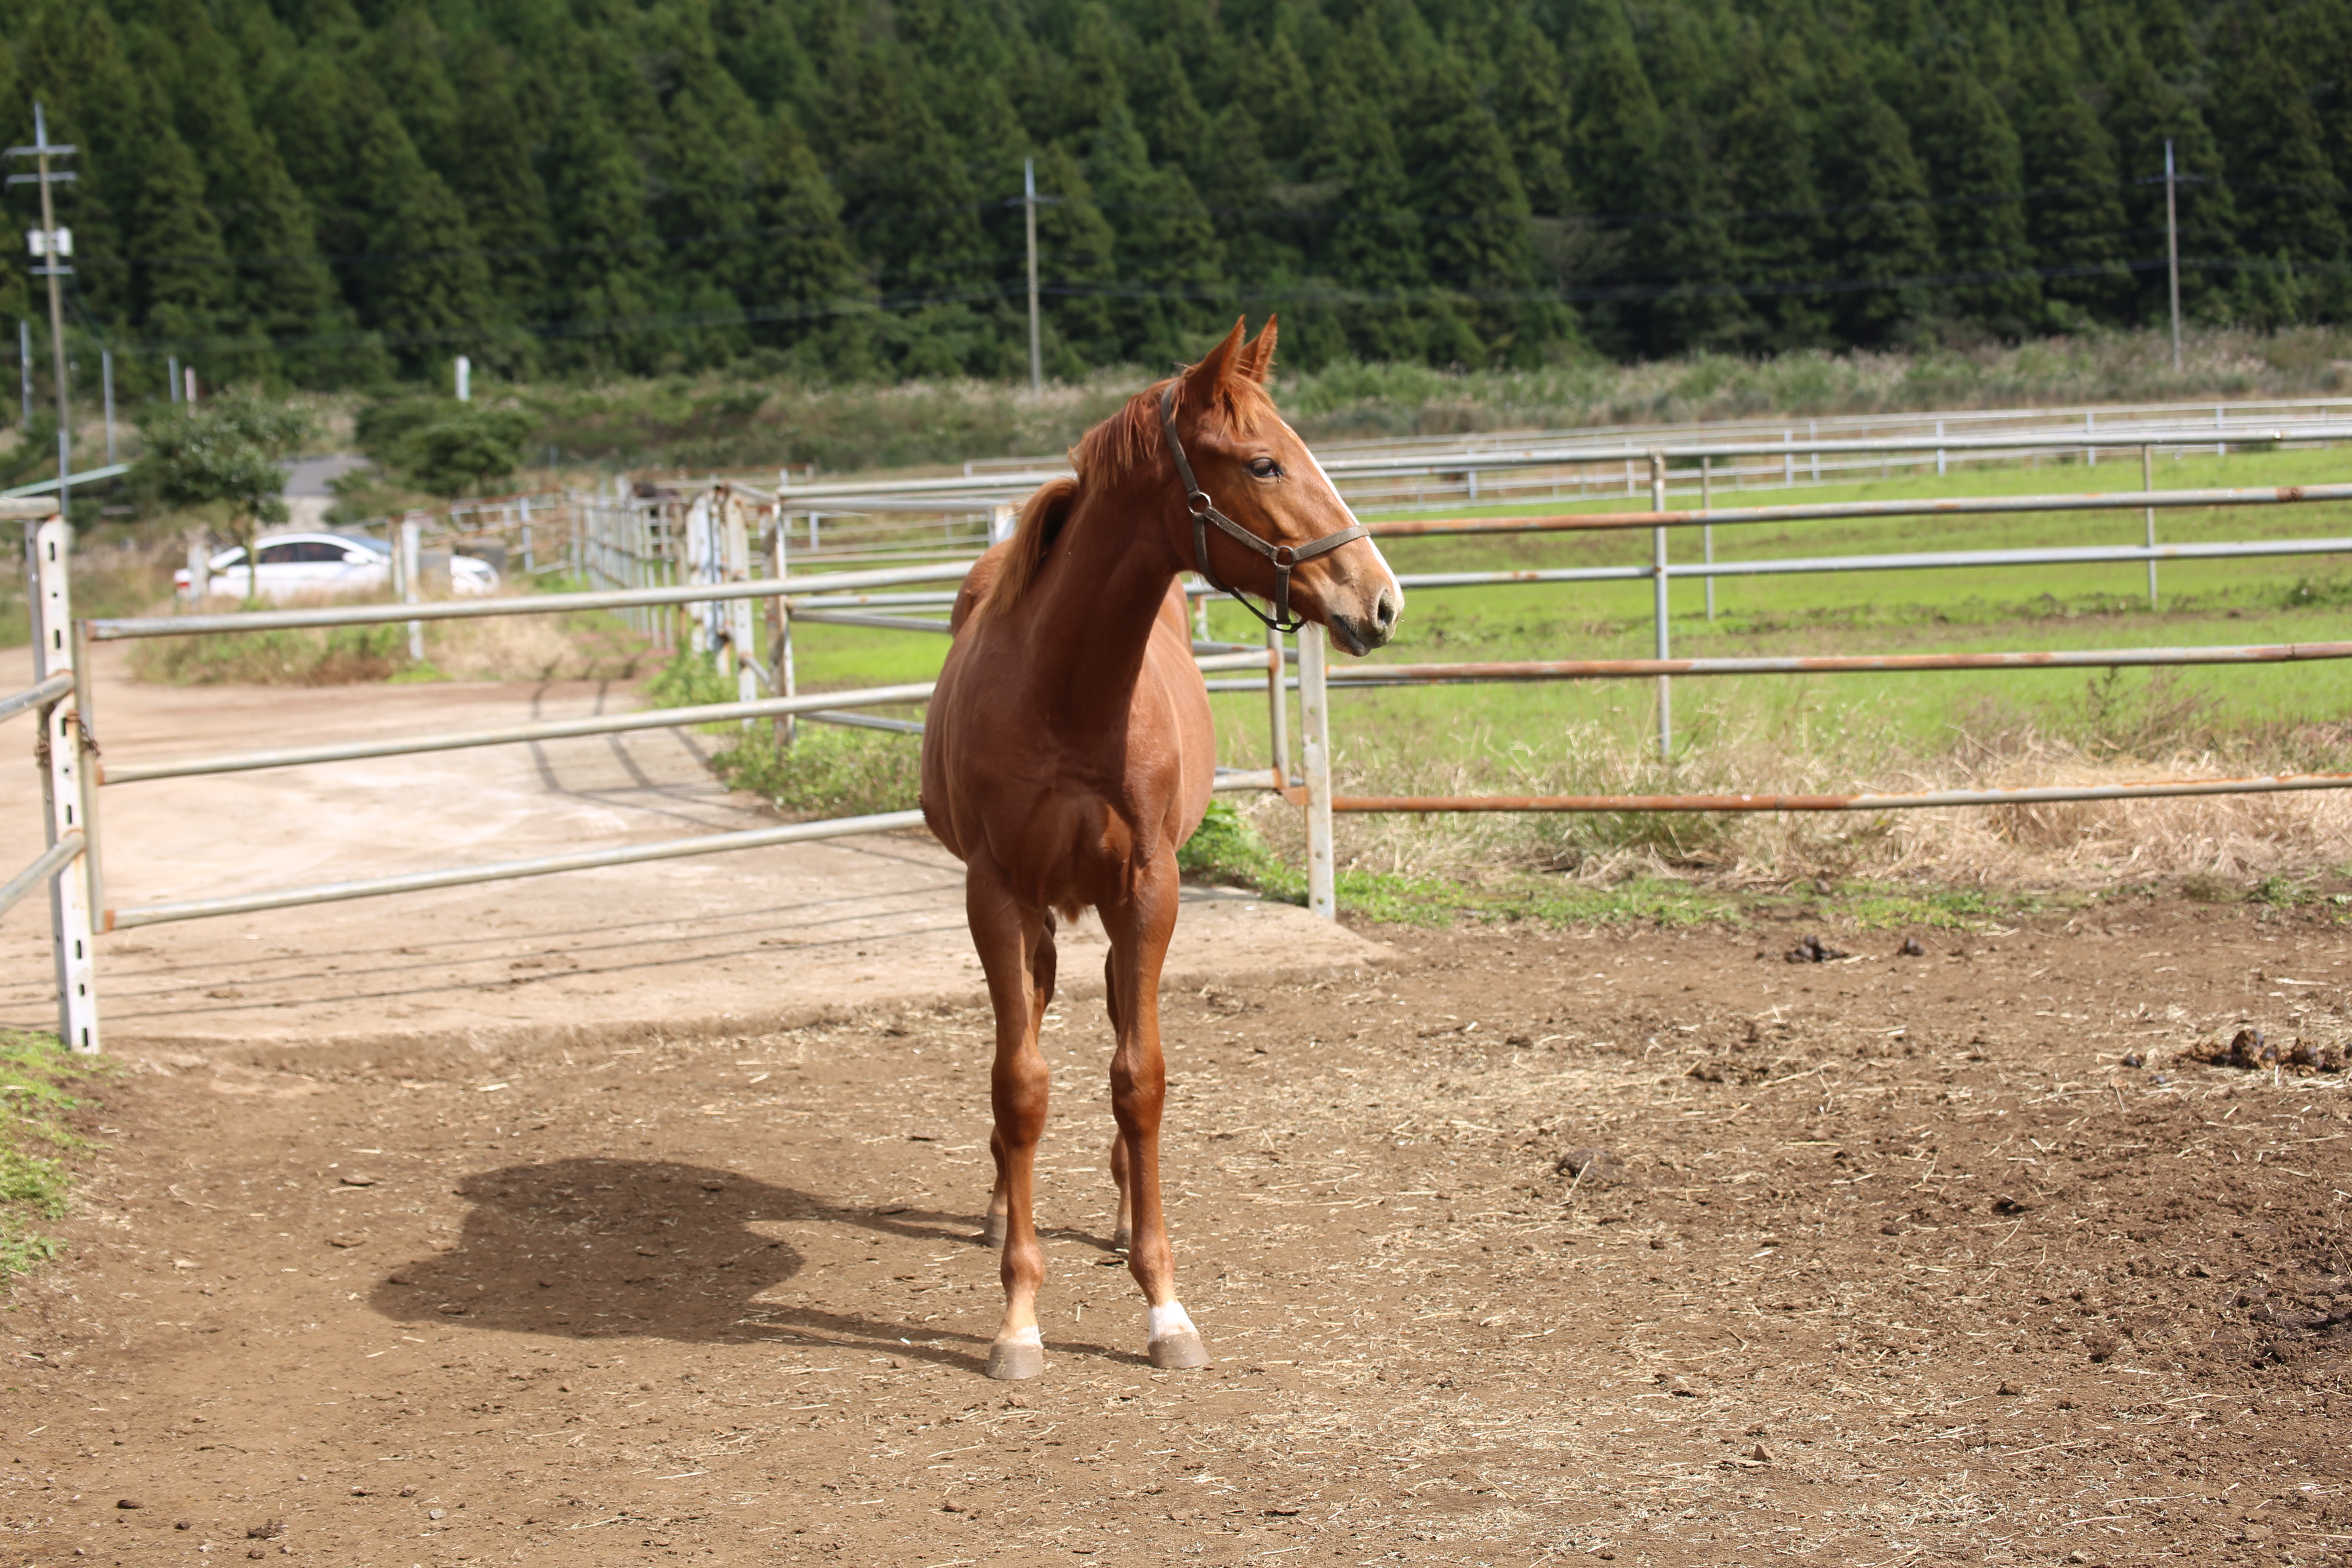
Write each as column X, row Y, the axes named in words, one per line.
column 292, row 564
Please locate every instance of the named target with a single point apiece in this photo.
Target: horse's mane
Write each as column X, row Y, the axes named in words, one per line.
column 1128, row 440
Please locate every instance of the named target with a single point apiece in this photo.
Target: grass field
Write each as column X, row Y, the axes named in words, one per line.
column 1837, row 732
column 2275, row 599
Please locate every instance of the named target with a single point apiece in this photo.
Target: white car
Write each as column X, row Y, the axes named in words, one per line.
column 293, row 564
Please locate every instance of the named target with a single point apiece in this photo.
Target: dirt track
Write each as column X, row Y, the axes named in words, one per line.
column 1886, row 1261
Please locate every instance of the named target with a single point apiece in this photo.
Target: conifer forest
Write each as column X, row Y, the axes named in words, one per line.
column 348, row 193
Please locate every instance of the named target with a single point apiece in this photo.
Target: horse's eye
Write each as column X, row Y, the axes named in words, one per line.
column 1265, row 468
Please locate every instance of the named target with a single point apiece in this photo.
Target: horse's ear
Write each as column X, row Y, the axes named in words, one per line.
column 1257, row 360
column 1215, row 365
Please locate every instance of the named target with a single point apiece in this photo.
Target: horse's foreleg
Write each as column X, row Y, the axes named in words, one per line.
column 1123, row 1224
column 1016, row 948
column 1139, row 1088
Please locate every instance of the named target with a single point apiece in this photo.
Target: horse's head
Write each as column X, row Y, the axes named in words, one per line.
column 1306, row 553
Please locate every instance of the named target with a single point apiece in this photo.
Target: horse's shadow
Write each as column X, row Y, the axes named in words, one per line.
column 598, row 1248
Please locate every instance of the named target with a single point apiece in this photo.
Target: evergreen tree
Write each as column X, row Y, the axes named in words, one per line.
column 2289, row 199
column 1880, row 233
column 1531, row 107
column 1768, row 181
column 1077, row 268
column 1370, row 241
column 506, row 204
column 1976, row 170
column 706, row 209
column 1619, row 135
column 403, row 61
column 1475, row 215
column 2075, row 213
column 809, row 292
column 605, row 250
column 2145, row 110
column 185, row 288
column 426, row 286
column 1166, row 251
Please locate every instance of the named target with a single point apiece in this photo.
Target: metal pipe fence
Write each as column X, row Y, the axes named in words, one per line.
column 648, row 558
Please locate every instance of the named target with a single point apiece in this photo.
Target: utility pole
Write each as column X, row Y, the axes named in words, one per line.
column 106, row 376
column 2172, row 245
column 52, row 244
column 1029, row 213
column 465, row 379
column 24, row 367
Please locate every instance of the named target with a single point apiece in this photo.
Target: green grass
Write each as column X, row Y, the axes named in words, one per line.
column 1835, row 731
column 2248, row 601
column 40, row 1086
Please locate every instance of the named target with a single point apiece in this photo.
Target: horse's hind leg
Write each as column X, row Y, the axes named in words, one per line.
column 1016, row 948
column 1139, row 1090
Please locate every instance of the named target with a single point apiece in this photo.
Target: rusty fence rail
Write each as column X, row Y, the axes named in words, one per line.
column 1316, row 679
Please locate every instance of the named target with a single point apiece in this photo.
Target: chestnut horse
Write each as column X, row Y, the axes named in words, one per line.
column 1068, row 753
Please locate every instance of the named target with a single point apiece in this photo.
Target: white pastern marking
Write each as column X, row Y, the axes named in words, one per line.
column 1169, row 1320
column 1028, row 1336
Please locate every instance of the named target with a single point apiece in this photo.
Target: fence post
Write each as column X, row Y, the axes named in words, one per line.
column 2147, row 482
column 409, row 568
column 1940, row 451
column 530, row 565
column 1658, row 576
column 1315, row 745
column 62, row 794
column 781, row 679
column 740, row 633
column 93, row 862
column 1707, row 531
column 1277, row 702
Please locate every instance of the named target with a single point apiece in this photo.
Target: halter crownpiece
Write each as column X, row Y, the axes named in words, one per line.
column 1204, row 512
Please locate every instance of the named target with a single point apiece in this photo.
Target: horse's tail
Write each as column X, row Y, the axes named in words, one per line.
column 1025, row 553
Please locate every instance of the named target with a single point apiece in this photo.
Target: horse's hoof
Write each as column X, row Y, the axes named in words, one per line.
column 992, row 1231
column 1012, row 1363
column 1180, row 1353
column 1122, row 1239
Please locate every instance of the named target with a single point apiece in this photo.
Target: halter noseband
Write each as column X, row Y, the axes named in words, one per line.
column 1204, row 512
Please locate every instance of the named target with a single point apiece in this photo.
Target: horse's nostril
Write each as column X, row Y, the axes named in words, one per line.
column 1384, row 610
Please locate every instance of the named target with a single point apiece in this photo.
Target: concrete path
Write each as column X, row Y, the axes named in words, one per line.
column 758, row 940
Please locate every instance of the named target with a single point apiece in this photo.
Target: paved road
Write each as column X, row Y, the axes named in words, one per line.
column 758, row 940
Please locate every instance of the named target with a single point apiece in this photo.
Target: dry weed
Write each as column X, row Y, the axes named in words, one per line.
column 2072, row 842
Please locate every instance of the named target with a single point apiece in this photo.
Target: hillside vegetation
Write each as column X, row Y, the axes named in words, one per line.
column 350, row 192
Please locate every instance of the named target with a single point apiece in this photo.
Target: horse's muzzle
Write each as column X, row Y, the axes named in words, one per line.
column 1360, row 634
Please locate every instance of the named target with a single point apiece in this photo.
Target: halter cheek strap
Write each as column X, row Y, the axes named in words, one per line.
column 1204, row 512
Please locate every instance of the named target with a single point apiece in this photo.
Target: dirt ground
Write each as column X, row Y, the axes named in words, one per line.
column 1884, row 1259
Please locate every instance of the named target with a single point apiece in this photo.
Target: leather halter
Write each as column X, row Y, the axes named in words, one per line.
column 1204, row 512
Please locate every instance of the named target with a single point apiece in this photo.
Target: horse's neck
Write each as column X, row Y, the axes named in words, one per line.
column 1095, row 603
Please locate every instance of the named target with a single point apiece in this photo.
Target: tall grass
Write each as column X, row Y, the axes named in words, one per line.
column 2236, row 838
column 725, row 419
